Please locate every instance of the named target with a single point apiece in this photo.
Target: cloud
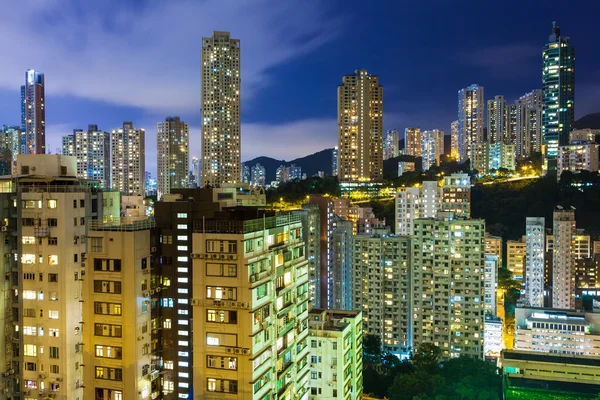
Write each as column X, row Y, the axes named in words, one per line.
column 505, row 61
column 148, row 55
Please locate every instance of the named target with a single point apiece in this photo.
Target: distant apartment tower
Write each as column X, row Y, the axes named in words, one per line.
column 11, row 136
column 391, row 144
column 360, row 122
column 258, row 175
column 172, row 153
column 454, row 137
column 575, row 157
column 413, row 203
column 412, row 142
column 558, row 95
column 221, row 138
column 334, row 161
column 432, row 148
column 470, row 119
column 563, row 267
column 92, row 149
column 33, row 114
column 529, row 124
column 480, row 157
column 491, row 284
column 535, row 243
column 439, row 291
column 494, row 247
column 583, row 135
column 342, row 263
column 381, row 286
column 515, row 258
column 311, row 227
column 333, row 334
column 498, row 120
column 456, row 195
column 501, row 156
column 128, row 159
column 405, row 166
column 324, row 275
column 196, row 172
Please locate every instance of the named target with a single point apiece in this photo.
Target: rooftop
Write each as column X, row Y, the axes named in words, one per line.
column 122, row 224
column 242, row 220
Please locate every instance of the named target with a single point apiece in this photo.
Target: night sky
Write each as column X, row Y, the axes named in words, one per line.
column 114, row 60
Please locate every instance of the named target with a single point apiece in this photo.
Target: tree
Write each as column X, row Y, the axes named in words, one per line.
column 427, row 357
column 506, row 281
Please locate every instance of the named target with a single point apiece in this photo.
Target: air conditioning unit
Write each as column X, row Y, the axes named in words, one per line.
column 253, row 278
column 139, row 338
column 146, row 294
column 243, row 304
column 246, row 351
column 42, row 376
column 193, row 255
column 229, row 349
column 237, row 351
column 233, row 257
column 158, row 289
column 195, row 302
column 200, row 256
column 5, row 229
column 6, row 391
column 153, row 249
column 223, row 256
column 151, row 292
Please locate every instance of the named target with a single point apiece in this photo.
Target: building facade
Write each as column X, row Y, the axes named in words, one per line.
column 471, row 119
column 454, row 138
column 412, row 142
column 578, row 156
column 360, row 132
column 529, row 124
column 498, row 120
column 456, row 195
column 221, row 132
column 432, row 148
column 172, row 155
column 92, row 149
column 128, row 160
column 534, row 261
column 391, row 144
column 33, row 114
column 515, row 258
column 563, row 257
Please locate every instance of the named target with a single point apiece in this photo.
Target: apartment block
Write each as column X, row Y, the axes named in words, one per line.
column 515, row 257
column 494, row 247
column 577, row 156
column 335, row 354
column 456, row 195
column 342, row 263
column 534, row 261
column 563, row 279
column 412, row 142
column 490, row 284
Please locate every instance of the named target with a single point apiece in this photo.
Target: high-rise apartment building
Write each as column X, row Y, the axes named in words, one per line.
column 412, row 142
column 493, row 247
column 470, row 119
column 456, row 195
column 515, row 257
column 558, row 95
column 447, row 296
column 405, row 166
column 577, row 157
column 490, row 299
column 10, row 139
column 480, row 157
column 311, row 227
column 196, row 172
column 342, row 263
column 250, row 308
column 172, row 155
column 432, row 148
column 33, row 114
column 360, row 122
column 221, row 137
column 92, row 149
column 501, row 156
column 391, row 144
column 381, row 285
column 334, row 161
column 324, row 276
column 584, row 135
column 563, row 267
column 454, row 138
column 128, row 160
column 336, row 346
column 413, row 203
column 534, row 261
column 529, row 124
column 258, row 175
column 498, row 120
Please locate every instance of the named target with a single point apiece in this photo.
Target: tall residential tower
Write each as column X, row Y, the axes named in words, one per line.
column 172, row 152
column 33, row 114
column 92, row 149
column 470, row 119
column 128, row 159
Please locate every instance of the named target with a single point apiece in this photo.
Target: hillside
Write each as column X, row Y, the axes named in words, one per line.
column 590, row 121
column 311, row 164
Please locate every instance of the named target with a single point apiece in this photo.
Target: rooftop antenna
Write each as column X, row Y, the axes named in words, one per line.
column 559, row 207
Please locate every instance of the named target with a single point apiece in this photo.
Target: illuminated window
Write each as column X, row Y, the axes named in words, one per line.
column 29, row 294
column 53, row 260
column 28, row 259
column 52, row 203
column 28, row 240
column 30, row 350
column 52, row 314
column 167, row 323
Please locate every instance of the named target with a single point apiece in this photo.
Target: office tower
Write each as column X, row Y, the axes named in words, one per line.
column 92, row 149
column 334, row 161
column 311, row 228
column 563, row 277
column 221, row 139
column 381, row 284
column 577, row 157
column 528, row 110
column 33, row 114
column 116, row 339
column 456, row 195
column 498, row 120
column 342, row 263
column 490, row 284
column 432, row 148
column 45, row 234
column 391, row 144
column 501, row 156
column 250, row 310
column 470, row 119
column 128, row 159
column 515, row 257
column 324, row 276
column 551, row 331
column 480, row 157
column 172, row 155
column 454, row 137
column 405, row 166
column 558, row 95
column 258, row 176
column 196, row 173
column 412, row 142
column 534, row 261
column 493, row 247
column 360, row 134
column 333, row 335
column 448, row 285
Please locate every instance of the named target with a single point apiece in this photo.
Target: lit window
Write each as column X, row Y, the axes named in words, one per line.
column 182, row 226
column 53, row 260
column 29, row 294
column 168, row 364
column 182, row 248
column 182, row 215
column 52, row 314
column 28, row 240
column 167, row 323
column 28, row 259
column 52, row 203
column 30, row 350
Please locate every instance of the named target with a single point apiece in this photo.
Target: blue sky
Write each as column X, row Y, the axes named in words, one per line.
column 115, row 60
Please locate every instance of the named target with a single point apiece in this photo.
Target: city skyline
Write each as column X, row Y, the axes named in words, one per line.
column 483, row 58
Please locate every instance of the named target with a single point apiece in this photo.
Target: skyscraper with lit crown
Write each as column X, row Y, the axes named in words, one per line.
column 221, row 132
column 33, row 114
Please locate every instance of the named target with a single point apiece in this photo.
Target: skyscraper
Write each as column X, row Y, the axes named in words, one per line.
column 128, row 159
column 33, row 114
column 454, row 154
column 172, row 152
column 412, row 142
column 534, row 261
column 334, row 161
column 432, row 148
column 221, row 133
column 92, row 149
column 470, row 119
column 497, row 120
column 563, row 267
column 558, row 95
column 197, row 172
column 391, row 144
column 529, row 124
column 360, row 134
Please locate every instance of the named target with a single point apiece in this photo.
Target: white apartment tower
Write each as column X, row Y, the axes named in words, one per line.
column 92, row 149
column 491, row 284
column 432, row 148
column 470, row 119
column 221, row 137
column 529, row 124
column 413, row 203
column 360, row 128
column 447, row 293
column 391, row 144
column 534, row 261
column 128, row 159
column 563, row 259
column 172, row 153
